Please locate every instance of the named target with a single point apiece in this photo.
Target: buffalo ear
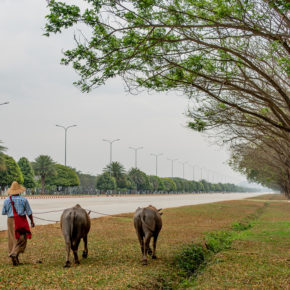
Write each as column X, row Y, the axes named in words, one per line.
column 161, row 213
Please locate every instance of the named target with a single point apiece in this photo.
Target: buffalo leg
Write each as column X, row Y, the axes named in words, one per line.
column 76, row 258
column 146, row 247
column 68, row 247
column 149, row 251
column 154, row 246
column 85, row 252
column 140, row 239
column 75, row 251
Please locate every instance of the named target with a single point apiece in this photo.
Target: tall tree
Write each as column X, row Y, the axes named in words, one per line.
column 27, row 172
column 11, row 172
column 200, row 186
column 156, row 182
column 106, row 182
column 139, row 178
column 44, row 167
column 265, row 165
column 234, row 53
column 2, row 148
column 117, row 170
column 87, row 180
column 180, row 183
column 206, row 185
column 65, row 177
column 169, row 184
column 2, row 162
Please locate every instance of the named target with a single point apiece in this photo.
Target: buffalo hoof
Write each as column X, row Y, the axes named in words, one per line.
column 14, row 261
column 17, row 260
column 77, row 262
column 150, row 253
column 67, row 264
column 85, row 254
column 144, row 262
column 154, row 257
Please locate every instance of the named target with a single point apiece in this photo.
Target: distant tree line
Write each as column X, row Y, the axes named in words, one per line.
column 115, row 178
column 43, row 175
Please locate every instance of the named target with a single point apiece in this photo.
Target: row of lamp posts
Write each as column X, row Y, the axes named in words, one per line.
column 135, row 149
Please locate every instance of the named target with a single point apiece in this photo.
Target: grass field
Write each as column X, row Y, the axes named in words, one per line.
column 258, row 258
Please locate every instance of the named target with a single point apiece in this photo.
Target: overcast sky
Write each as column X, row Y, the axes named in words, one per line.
column 41, row 95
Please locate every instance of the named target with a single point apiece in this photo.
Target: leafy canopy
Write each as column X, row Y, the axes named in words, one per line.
column 44, row 166
column 27, row 172
column 106, row 182
column 2, row 149
column 11, row 173
column 65, row 176
column 139, row 178
column 230, row 56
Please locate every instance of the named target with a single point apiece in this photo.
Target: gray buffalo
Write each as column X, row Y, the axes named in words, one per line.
column 147, row 223
column 75, row 225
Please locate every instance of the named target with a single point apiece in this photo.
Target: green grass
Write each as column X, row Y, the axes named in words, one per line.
column 256, row 258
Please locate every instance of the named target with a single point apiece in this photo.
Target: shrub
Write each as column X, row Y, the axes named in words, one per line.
column 190, row 259
column 218, row 241
column 106, row 182
column 238, row 226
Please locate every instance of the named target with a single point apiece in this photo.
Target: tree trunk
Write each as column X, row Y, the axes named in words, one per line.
column 42, row 184
column 286, row 190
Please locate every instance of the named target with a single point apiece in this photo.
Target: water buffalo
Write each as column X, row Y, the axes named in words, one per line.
column 147, row 223
column 75, row 225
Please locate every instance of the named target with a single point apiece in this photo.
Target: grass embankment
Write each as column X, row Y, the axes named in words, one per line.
column 254, row 253
column 258, row 257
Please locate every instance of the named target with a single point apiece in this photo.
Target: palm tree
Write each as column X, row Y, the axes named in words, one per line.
column 2, row 162
column 116, row 169
column 44, row 166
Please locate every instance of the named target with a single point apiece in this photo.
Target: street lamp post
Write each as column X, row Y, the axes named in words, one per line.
column 213, row 176
column 135, row 149
column 200, row 172
column 192, row 166
column 156, row 158
column 206, row 178
column 65, row 138
column 110, row 142
column 183, row 163
column 172, row 162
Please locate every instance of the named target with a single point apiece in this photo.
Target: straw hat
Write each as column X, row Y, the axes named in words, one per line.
column 15, row 188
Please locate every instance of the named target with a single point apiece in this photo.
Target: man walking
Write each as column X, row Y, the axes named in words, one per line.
column 16, row 207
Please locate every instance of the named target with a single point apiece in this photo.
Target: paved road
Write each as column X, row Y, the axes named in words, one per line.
column 119, row 204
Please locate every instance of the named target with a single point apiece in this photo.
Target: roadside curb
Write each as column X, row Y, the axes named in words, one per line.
column 73, row 196
column 53, row 196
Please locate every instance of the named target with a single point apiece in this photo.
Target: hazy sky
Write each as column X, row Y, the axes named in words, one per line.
column 41, row 94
